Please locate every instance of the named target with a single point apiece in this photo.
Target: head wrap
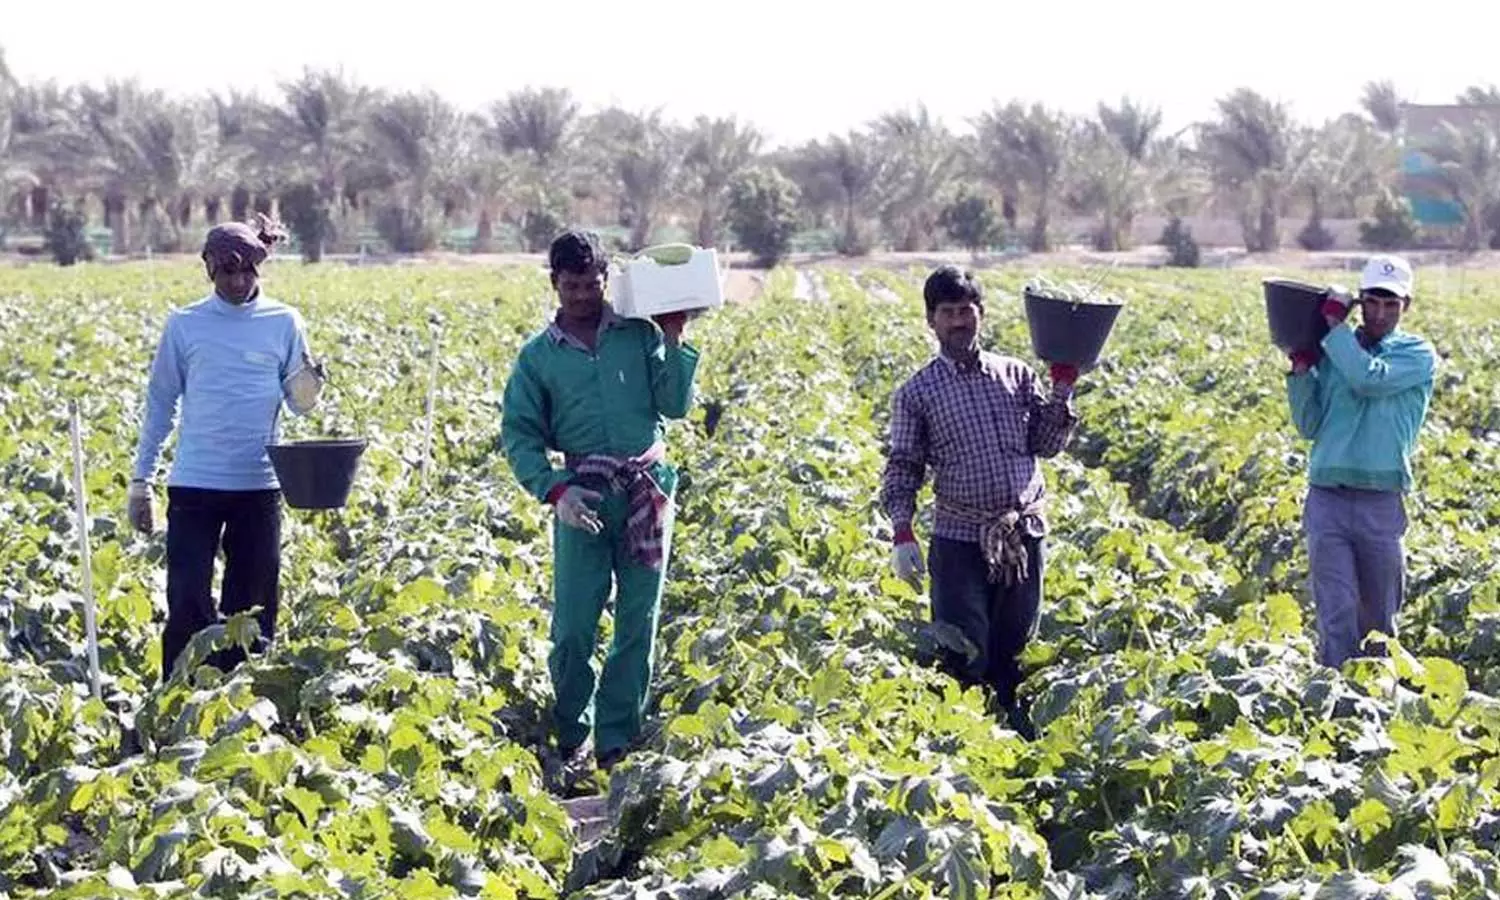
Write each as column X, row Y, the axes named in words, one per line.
column 238, row 244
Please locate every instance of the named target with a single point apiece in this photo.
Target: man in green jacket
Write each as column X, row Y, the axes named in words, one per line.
column 1361, row 399
column 597, row 387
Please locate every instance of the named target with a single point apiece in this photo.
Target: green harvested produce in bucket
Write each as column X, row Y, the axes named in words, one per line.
column 1068, row 325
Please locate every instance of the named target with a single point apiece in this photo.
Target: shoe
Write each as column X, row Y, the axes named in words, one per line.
column 570, row 767
column 1020, row 721
column 610, row 757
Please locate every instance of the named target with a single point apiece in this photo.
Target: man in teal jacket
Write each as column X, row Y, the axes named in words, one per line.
column 1361, row 400
column 596, row 387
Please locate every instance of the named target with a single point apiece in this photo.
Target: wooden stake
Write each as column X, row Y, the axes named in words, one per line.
column 83, row 549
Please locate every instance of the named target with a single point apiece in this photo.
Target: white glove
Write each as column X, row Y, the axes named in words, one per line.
column 573, row 509
column 303, row 386
column 139, row 507
column 907, row 559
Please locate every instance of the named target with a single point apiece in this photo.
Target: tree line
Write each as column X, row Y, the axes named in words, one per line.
column 344, row 163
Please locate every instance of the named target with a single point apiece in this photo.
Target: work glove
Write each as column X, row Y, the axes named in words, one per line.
column 1336, row 304
column 139, row 506
column 1064, row 376
column 1302, row 360
column 573, row 509
column 906, row 558
column 303, row 386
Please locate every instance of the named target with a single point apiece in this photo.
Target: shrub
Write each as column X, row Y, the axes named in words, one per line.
column 1394, row 226
column 971, row 221
column 66, row 237
column 762, row 212
column 1182, row 250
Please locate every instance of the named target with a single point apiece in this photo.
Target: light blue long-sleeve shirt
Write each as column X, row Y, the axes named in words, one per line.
column 1362, row 409
column 224, row 365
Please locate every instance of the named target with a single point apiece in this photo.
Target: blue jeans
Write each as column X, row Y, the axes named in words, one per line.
column 1357, row 563
column 999, row 620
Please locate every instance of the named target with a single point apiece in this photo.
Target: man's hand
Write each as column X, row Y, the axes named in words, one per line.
column 906, row 558
column 1302, row 360
column 1064, row 376
column 573, row 509
column 139, row 504
column 1336, row 305
column 672, row 324
column 304, row 385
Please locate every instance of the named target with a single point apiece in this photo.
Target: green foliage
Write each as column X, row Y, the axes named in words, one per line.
column 1315, row 236
column 309, row 216
column 539, row 227
column 1393, row 227
column 1182, row 250
column 405, row 228
column 66, row 237
column 762, row 211
column 971, row 220
column 392, row 743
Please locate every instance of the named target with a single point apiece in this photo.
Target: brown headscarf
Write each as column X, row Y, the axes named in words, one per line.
column 239, row 244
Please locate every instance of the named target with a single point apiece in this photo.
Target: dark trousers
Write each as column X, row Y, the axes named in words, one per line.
column 247, row 525
column 999, row 620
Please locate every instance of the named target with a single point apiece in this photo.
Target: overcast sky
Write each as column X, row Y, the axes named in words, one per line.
column 691, row 58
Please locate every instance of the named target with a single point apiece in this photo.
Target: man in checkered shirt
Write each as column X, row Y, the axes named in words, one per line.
column 980, row 421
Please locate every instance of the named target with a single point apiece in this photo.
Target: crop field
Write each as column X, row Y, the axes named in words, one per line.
column 801, row 743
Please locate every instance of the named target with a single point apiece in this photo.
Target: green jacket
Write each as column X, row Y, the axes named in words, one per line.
column 613, row 401
column 1363, row 409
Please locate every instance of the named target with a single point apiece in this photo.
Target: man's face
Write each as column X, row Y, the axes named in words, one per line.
column 581, row 295
column 1380, row 312
column 234, row 281
column 956, row 324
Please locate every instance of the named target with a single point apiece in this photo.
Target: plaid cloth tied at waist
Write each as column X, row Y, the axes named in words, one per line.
column 645, row 524
column 1002, row 537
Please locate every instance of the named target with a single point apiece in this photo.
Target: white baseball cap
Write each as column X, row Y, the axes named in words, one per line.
column 1391, row 273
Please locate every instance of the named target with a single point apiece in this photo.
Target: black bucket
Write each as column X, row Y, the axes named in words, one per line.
column 1067, row 331
column 1295, row 312
column 316, row 474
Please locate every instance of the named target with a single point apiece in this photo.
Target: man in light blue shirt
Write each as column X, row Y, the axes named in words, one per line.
column 1361, row 399
column 228, row 362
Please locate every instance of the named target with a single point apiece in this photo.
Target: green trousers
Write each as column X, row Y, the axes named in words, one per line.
column 584, row 567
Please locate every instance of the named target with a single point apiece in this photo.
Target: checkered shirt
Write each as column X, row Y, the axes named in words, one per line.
column 981, row 426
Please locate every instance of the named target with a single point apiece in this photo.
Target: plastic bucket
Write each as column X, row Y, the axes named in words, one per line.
column 1069, row 332
column 1294, row 310
column 316, row 474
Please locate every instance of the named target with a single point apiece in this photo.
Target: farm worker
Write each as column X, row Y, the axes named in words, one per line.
column 981, row 421
column 1361, row 399
column 231, row 359
column 597, row 387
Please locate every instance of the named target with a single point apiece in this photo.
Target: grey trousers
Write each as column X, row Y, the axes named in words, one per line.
column 1358, row 567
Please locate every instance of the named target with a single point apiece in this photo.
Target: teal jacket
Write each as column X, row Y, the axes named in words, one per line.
column 1362, row 409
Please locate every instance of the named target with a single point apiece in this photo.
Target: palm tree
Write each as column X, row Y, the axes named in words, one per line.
column 50, row 153
column 430, row 145
column 922, row 160
column 532, row 133
column 536, row 122
column 1112, row 163
column 717, row 150
column 854, row 165
column 319, row 133
column 644, row 155
column 1029, row 146
column 1477, row 95
column 1383, row 105
column 1250, row 149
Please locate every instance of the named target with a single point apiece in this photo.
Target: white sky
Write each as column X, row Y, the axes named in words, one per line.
column 957, row 57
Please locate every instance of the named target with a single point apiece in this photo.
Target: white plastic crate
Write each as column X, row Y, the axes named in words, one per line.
column 643, row 287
